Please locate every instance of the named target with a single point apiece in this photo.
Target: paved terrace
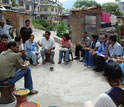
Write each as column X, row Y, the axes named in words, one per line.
column 67, row 86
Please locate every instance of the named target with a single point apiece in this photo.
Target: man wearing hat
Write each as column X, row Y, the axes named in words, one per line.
column 4, row 29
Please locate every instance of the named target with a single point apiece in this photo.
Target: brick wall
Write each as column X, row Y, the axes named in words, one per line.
column 17, row 19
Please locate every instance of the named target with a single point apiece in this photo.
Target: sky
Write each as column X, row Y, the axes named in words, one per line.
column 67, row 4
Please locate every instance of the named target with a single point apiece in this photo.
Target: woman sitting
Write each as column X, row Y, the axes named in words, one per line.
column 88, row 58
column 65, row 47
column 32, row 50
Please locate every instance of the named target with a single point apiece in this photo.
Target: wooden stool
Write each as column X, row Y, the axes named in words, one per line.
column 6, row 94
column 29, row 104
column 70, row 53
column 47, row 57
column 21, row 95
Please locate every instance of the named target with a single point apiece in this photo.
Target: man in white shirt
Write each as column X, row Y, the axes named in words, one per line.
column 4, row 29
column 48, row 45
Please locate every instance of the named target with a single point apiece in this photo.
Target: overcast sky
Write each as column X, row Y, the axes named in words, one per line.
column 69, row 3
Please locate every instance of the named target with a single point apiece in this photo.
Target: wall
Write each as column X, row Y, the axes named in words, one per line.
column 77, row 26
column 17, row 19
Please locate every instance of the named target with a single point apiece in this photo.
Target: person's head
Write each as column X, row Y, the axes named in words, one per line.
column 103, row 38
column 2, row 22
column 31, row 38
column 65, row 36
column 47, row 34
column 94, row 38
column 27, row 22
column 4, row 39
column 85, row 34
column 19, row 40
column 112, row 39
column 13, row 46
column 113, row 74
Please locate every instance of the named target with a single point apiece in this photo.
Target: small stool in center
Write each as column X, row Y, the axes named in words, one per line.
column 47, row 57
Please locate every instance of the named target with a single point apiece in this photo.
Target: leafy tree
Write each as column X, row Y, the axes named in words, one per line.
column 112, row 8
column 89, row 3
column 61, row 28
column 14, row 3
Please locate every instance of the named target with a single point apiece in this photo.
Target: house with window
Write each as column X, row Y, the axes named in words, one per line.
column 28, row 6
column 49, row 10
column 121, row 5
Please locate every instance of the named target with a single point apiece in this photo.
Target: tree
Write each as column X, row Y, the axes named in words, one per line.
column 112, row 8
column 89, row 3
column 14, row 3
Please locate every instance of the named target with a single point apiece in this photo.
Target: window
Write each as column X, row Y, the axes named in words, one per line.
column 5, row 1
column 90, row 24
column 21, row 3
column 45, row 9
column 56, row 10
column 27, row 7
column 52, row 9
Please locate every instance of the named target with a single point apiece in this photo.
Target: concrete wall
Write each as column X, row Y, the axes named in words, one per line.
column 17, row 19
column 77, row 22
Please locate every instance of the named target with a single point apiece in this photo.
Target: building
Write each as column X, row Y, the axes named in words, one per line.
column 121, row 5
column 88, row 19
column 28, row 6
column 5, row 3
column 49, row 10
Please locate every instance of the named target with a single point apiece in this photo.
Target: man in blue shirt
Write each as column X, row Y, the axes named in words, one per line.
column 98, row 56
column 113, row 50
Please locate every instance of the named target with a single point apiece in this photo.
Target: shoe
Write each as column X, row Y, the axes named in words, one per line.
column 99, row 70
column 66, row 63
column 89, row 66
column 85, row 64
column 95, row 69
column 81, row 60
column 52, row 62
column 43, row 62
column 59, row 62
column 32, row 92
column 76, row 58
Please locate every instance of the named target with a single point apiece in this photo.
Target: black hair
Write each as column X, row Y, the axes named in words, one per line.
column 106, row 36
column 27, row 20
column 85, row 32
column 48, row 32
column 17, row 39
column 113, row 38
column 31, row 35
column 113, row 71
column 95, row 37
column 66, row 35
column 11, row 43
column 4, row 36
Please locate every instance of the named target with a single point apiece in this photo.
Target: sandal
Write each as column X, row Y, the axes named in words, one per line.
column 32, row 92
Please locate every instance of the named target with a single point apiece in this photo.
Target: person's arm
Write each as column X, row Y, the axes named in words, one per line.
column 20, row 63
column 21, row 32
column 28, row 45
column 37, row 47
column 53, row 47
column 104, row 101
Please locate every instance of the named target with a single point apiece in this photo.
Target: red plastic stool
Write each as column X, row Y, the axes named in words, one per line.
column 29, row 104
column 21, row 95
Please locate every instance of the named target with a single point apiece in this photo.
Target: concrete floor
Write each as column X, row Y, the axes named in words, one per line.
column 67, row 86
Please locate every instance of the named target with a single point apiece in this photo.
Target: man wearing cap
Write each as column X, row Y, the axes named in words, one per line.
column 4, row 29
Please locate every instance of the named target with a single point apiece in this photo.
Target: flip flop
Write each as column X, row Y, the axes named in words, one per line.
column 33, row 92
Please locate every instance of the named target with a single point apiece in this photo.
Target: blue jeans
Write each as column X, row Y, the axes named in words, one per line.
column 122, row 67
column 23, row 57
column 27, row 78
column 88, row 58
column 66, row 55
column 35, row 57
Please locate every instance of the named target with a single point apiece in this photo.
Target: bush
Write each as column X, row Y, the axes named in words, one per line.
column 43, row 25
